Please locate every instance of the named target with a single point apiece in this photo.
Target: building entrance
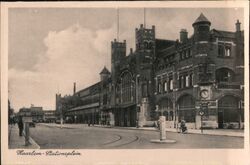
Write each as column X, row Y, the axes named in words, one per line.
column 220, row 119
column 125, row 117
column 228, row 112
column 186, row 109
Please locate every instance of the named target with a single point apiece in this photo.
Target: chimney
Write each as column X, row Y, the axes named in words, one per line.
column 183, row 35
column 74, row 89
column 237, row 24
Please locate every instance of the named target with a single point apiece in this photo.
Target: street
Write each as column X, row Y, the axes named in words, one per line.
column 84, row 137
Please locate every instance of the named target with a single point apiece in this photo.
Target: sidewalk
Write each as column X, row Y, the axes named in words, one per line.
column 219, row 132
column 17, row 142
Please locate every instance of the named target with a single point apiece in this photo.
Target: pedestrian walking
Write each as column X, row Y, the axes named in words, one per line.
column 20, row 126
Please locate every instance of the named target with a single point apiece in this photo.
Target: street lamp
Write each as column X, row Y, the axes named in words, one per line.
column 61, row 115
column 137, row 100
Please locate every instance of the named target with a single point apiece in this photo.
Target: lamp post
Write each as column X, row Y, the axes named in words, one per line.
column 61, row 115
column 137, row 100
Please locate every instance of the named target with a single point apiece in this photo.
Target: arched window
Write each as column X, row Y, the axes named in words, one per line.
column 224, row 75
column 186, row 109
column 127, row 87
column 165, row 105
column 228, row 109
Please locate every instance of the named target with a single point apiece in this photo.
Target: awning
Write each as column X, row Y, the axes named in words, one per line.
column 84, row 107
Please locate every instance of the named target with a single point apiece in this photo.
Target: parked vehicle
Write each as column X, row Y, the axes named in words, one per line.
column 58, row 121
column 32, row 124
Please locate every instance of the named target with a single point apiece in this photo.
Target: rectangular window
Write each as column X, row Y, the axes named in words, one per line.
column 224, row 50
column 227, row 51
column 187, row 80
column 144, row 90
column 220, row 50
column 186, row 54
column 180, row 54
column 191, row 79
column 165, row 86
column 180, row 82
column 183, row 83
column 171, row 84
column 159, row 88
column 189, row 53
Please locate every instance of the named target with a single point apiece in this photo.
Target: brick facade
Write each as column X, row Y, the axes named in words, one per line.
column 173, row 78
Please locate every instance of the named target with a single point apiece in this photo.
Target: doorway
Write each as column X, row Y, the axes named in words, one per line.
column 220, row 119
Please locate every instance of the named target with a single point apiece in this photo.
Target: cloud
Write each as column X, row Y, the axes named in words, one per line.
column 75, row 54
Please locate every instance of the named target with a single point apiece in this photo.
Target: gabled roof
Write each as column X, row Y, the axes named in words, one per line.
column 163, row 44
column 201, row 18
column 225, row 34
column 105, row 71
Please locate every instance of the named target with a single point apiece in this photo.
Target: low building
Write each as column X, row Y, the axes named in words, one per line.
column 81, row 107
column 49, row 116
column 35, row 112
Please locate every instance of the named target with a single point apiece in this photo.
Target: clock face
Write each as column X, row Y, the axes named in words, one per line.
column 204, row 94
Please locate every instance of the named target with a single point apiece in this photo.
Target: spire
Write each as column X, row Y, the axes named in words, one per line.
column 201, row 19
column 105, row 71
column 237, row 24
column 74, row 88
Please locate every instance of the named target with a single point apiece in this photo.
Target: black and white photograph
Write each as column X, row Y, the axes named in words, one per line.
column 122, row 78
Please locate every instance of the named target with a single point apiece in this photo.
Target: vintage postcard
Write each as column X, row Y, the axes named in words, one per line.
column 125, row 83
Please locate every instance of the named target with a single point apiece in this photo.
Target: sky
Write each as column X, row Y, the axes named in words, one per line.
column 51, row 48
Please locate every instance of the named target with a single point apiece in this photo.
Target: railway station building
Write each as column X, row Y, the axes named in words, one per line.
column 196, row 77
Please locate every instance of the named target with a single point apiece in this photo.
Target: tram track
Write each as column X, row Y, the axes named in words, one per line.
column 121, row 141
column 119, row 138
column 136, row 139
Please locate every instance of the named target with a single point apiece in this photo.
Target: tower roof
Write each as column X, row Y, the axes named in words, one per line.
column 201, row 19
column 105, row 71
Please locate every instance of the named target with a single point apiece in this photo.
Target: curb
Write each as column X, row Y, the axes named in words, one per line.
column 32, row 142
column 239, row 136
column 127, row 128
column 57, row 126
column 154, row 129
